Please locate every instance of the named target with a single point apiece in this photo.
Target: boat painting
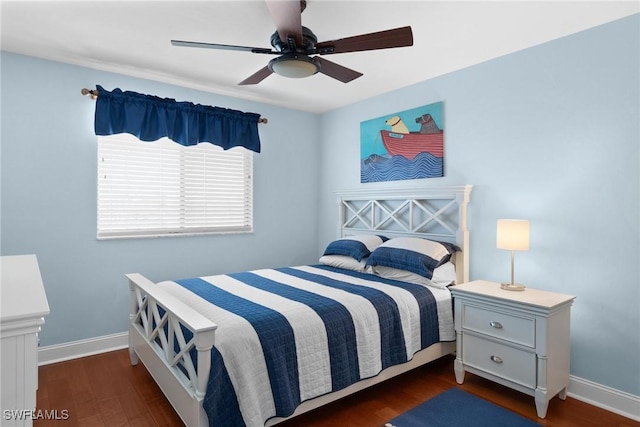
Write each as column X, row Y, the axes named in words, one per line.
column 409, row 145
column 390, row 150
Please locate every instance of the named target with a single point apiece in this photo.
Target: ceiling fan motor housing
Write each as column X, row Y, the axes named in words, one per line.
column 309, row 41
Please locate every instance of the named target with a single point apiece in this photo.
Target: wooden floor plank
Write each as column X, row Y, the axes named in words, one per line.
column 106, row 390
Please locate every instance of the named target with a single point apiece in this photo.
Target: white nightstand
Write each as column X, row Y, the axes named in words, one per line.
column 517, row 339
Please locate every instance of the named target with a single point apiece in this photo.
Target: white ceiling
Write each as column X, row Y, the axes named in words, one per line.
column 132, row 37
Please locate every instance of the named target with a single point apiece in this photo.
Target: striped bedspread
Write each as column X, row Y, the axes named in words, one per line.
column 290, row 334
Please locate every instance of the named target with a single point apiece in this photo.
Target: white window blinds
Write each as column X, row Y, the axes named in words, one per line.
column 163, row 188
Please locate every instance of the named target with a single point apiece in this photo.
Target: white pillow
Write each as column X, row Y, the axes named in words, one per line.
column 343, row 261
column 443, row 275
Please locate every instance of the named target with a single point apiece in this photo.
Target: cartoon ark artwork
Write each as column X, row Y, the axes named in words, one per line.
column 390, row 150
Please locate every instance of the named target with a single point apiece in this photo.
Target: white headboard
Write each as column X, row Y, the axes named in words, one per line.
column 436, row 213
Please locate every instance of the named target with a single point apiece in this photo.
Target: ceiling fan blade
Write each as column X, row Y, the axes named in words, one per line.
column 257, row 77
column 338, row 72
column 286, row 16
column 397, row 37
column 183, row 43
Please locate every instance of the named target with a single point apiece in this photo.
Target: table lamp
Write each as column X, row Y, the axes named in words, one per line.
column 513, row 235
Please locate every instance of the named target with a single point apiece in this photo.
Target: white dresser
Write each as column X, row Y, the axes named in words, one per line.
column 517, row 339
column 23, row 306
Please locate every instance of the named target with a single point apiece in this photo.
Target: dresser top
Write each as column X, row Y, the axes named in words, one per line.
column 21, row 290
column 533, row 297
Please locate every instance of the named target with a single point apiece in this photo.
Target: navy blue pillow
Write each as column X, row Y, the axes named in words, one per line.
column 419, row 256
column 357, row 247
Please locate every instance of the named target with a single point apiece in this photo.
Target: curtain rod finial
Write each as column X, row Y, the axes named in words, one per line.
column 93, row 93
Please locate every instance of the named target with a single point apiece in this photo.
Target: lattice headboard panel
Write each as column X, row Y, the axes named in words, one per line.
column 438, row 213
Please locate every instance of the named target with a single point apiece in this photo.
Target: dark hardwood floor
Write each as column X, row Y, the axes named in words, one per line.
column 105, row 390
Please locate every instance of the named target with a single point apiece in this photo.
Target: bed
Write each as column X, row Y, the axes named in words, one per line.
column 260, row 347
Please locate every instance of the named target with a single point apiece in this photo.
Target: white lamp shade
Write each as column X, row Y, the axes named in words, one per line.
column 513, row 234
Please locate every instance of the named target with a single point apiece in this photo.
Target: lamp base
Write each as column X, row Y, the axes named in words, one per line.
column 512, row 287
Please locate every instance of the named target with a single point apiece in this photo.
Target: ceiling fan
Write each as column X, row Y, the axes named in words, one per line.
column 294, row 45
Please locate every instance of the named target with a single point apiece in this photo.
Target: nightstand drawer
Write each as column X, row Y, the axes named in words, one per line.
column 513, row 364
column 508, row 327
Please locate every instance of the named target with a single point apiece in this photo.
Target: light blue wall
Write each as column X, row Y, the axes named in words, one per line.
column 49, row 197
column 550, row 134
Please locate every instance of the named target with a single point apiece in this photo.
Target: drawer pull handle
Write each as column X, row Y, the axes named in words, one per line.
column 495, row 324
column 496, row 359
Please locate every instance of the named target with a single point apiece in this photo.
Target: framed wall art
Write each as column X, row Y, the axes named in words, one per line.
column 404, row 145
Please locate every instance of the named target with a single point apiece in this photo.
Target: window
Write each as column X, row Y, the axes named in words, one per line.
column 163, row 188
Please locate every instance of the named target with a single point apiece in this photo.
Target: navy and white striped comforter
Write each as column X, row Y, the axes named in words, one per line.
column 287, row 335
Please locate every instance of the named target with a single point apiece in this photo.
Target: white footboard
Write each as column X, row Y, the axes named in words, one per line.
column 159, row 329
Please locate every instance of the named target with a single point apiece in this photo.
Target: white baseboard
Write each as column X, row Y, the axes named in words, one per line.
column 610, row 399
column 77, row 349
column 619, row 402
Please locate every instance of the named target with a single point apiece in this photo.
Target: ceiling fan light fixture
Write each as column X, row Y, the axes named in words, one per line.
column 294, row 66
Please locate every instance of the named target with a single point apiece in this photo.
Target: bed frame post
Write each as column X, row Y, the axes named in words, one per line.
column 204, row 343
column 341, row 215
column 462, row 234
column 133, row 310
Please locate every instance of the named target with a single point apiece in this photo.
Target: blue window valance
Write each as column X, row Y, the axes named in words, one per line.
column 150, row 118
